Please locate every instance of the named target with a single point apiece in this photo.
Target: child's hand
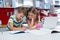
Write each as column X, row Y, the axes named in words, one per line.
column 21, row 25
column 32, row 21
column 22, row 28
column 31, row 28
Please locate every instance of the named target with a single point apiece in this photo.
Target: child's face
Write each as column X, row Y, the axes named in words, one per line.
column 31, row 15
column 19, row 16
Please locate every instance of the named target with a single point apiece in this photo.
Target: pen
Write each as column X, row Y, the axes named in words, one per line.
column 19, row 32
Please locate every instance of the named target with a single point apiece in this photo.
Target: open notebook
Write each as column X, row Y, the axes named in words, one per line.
column 19, row 31
column 34, row 32
column 15, row 32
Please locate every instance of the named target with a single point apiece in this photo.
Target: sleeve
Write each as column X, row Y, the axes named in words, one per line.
column 24, row 20
column 10, row 20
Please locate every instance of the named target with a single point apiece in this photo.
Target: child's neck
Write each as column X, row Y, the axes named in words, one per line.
column 17, row 20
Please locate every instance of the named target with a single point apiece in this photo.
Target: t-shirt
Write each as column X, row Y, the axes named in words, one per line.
column 38, row 26
column 15, row 23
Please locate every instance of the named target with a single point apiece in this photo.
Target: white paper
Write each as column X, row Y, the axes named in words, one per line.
column 40, row 32
column 45, row 12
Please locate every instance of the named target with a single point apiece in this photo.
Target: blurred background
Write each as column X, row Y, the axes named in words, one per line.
column 7, row 8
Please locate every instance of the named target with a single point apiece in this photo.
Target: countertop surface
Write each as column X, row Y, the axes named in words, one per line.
column 41, row 34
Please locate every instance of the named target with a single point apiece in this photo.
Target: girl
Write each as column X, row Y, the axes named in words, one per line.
column 33, row 19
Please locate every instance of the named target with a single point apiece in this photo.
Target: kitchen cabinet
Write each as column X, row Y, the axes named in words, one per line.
column 5, row 13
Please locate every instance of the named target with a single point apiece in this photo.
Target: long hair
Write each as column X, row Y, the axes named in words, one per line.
column 34, row 11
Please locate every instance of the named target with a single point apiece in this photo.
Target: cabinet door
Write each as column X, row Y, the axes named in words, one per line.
column 5, row 14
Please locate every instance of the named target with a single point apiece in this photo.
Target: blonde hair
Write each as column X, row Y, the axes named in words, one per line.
column 22, row 10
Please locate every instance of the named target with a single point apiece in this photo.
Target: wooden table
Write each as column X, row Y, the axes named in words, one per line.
column 3, row 26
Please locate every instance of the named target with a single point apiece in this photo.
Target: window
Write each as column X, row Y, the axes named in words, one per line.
column 20, row 1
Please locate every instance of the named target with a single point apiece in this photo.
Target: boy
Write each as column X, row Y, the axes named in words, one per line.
column 15, row 22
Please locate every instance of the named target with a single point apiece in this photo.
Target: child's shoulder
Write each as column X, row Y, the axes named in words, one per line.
column 12, row 16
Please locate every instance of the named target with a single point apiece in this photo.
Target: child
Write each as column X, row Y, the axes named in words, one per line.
column 16, row 20
column 32, row 19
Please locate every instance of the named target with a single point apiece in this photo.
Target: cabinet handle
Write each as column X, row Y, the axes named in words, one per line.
column 7, row 13
column 10, row 13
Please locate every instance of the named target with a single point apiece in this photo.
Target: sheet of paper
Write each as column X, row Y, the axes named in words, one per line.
column 40, row 32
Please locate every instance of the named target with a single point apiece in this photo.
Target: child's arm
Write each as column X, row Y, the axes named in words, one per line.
column 31, row 24
column 12, row 28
